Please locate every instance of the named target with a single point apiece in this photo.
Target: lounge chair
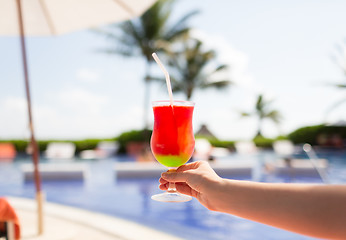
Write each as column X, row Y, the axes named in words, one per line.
column 245, row 147
column 284, row 148
column 286, row 164
column 104, row 149
column 205, row 151
column 60, row 150
column 7, row 152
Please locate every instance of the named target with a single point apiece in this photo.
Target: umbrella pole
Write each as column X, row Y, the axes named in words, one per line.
column 35, row 153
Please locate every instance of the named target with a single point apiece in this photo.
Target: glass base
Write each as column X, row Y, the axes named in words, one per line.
column 171, row 197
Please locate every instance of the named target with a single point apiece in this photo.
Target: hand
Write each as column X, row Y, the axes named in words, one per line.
column 196, row 179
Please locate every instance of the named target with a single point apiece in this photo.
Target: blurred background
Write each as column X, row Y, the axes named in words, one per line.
column 259, row 72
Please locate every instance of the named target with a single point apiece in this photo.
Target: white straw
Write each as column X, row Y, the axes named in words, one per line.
column 168, row 81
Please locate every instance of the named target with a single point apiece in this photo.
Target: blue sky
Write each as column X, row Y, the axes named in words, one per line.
column 282, row 49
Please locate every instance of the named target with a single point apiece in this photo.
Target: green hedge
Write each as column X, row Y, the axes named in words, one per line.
column 221, row 143
column 264, row 142
column 20, row 145
column 81, row 145
column 259, row 142
column 310, row 134
column 133, row 136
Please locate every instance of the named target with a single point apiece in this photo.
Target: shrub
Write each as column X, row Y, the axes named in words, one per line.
column 310, row 134
column 263, row 142
column 221, row 143
column 86, row 144
column 20, row 145
column 133, row 136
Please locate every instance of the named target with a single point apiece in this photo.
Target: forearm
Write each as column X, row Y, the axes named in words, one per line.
column 314, row 210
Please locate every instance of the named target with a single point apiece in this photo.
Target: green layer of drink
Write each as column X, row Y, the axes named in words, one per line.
column 171, row 160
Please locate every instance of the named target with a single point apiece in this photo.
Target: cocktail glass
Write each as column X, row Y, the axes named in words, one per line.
column 172, row 141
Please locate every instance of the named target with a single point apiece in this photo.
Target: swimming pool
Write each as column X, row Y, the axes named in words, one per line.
column 130, row 199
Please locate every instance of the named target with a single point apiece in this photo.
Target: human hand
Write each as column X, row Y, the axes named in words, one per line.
column 195, row 179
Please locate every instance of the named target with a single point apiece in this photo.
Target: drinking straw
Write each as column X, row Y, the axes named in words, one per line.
column 168, row 81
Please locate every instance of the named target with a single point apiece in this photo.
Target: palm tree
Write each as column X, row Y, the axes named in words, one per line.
column 190, row 68
column 152, row 32
column 262, row 111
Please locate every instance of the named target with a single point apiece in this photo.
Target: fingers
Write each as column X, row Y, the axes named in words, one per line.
column 184, row 189
column 189, row 166
column 182, row 173
column 181, row 187
column 175, row 176
column 162, row 181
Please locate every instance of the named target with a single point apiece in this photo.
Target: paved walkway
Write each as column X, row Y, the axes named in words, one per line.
column 68, row 223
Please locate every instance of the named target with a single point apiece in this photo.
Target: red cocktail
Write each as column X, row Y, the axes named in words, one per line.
column 172, row 140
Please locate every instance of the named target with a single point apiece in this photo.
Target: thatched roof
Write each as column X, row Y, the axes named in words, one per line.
column 205, row 132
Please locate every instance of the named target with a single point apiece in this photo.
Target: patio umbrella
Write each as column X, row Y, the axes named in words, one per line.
column 53, row 17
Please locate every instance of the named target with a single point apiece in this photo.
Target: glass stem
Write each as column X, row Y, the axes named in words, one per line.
column 171, row 186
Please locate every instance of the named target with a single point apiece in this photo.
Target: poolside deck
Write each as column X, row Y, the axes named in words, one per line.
column 68, row 223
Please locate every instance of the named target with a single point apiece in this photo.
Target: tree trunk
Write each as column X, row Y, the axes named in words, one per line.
column 146, row 96
column 259, row 132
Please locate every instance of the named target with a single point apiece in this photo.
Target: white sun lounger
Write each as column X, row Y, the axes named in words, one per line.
column 60, row 150
column 57, row 171
column 299, row 167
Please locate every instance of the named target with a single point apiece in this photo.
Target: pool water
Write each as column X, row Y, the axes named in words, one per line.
column 130, row 199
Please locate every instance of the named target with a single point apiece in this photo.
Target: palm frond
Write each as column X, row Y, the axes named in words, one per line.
column 245, row 114
column 216, row 84
column 179, row 28
column 274, row 115
column 335, row 105
column 221, row 68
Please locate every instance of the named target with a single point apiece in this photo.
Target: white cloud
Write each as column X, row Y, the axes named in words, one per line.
column 57, row 124
column 14, row 117
column 227, row 54
column 80, row 100
column 53, row 121
column 88, row 75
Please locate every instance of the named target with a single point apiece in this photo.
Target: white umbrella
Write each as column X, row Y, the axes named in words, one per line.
column 53, row 17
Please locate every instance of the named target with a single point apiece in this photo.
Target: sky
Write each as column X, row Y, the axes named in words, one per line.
column 281, row 49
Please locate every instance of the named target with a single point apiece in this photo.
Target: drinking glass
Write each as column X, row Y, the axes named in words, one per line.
column 172, row 141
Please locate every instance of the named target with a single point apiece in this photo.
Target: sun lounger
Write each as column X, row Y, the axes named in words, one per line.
column 205, row 151
column 286, row 164
column 60, row 150
column 245, row 147
column 298, row 167
column 58, row 171
column 7, row 152
column 104, row 149
column 284, row 148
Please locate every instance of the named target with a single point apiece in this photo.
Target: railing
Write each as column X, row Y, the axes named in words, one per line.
column 313, row 158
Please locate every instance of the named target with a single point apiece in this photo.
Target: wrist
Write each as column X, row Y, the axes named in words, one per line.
column 224, row 192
